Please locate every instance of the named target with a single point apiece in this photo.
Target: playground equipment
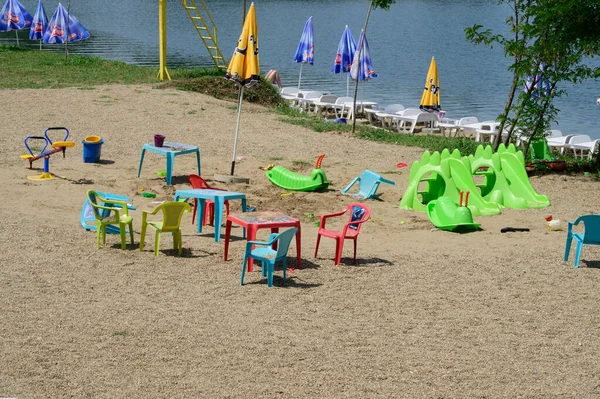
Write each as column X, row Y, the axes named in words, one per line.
column 446, row 215
column 204, row 25
column 47, row 150
column 286, row 179
column 494, row 180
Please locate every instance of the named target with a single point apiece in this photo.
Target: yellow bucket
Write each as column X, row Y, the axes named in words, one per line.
column 92, row 139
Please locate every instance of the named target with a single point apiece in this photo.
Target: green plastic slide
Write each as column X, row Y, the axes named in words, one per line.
column 445, row 214
column 286, row 179
column 495, row 180
column 443, row 175
column 519, row 184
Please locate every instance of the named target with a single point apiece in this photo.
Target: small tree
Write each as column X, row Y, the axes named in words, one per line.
column 552, row 41
column 373, row 4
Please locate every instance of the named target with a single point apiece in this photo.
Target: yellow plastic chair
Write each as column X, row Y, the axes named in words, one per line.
column 170, row 223
column 111, row 212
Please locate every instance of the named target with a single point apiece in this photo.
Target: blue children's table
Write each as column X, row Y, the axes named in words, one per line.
column 219, row 197
column 170, row 150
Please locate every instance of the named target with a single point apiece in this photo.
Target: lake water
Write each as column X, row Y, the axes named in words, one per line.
column 473, row 79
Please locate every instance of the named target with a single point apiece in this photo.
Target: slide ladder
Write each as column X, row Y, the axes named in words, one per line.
column 206, row 28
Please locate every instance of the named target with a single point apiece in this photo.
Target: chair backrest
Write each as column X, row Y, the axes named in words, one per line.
column 592, row 228
column 358, row 212
column 392, row 108
column 554, row 133
column 93, row 198
column 342, row 100
column 467, row 120
column 313, row 94
column 172, row 213
column 198, row 182
column 580, row 138
column 290, row 91
column 410, row 112
column 328, row 98
column 284, row 239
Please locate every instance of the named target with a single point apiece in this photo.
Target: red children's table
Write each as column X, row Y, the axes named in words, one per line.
column 252, row 221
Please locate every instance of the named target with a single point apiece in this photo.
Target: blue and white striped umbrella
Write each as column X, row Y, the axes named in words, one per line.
column 39, row 24
column 363, row 69
column 305, row 54
column 56, row 31
column 14, row 17
column 345, row 55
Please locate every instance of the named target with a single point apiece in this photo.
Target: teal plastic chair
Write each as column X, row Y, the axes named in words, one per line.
column 269, row 256
column 368, row 183
column 591, row 235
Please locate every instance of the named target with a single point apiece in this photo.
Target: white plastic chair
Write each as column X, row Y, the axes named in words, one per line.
column 412, row 117
column 386, row 117
column 325, row 103
column 291, row 94
column 564, row 143
column 307, row 100
column 589, row 147
column 341, row 109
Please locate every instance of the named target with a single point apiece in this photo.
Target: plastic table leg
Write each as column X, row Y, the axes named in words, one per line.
column 141, row 161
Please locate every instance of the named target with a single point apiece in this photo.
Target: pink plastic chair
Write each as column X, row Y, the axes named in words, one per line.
column 358, row 214
column 198, row 182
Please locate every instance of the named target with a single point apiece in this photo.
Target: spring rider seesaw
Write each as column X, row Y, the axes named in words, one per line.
column 47, row 150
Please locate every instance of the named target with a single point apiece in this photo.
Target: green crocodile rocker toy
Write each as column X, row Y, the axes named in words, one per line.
column 288, row 180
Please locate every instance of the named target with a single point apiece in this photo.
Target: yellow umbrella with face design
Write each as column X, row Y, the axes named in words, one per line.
column 430, row 101
column 244, row 68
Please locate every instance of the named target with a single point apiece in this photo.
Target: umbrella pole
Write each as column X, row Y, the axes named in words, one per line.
column 347, row 84
column 237, row 128
column 17, row 36
column 299, row 78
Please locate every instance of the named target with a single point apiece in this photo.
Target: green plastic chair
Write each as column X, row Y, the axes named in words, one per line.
column 170, row 223
column 112, row 212
column 269, row 256
column 591, row 235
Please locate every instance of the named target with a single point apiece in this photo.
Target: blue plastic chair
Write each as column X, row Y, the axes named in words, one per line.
column 591, row 235
column 269, row 256
column 368, row 183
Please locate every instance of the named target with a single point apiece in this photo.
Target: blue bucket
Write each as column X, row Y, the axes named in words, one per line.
column 91, row 149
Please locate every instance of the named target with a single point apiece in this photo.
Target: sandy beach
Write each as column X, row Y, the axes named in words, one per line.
column 424, row 313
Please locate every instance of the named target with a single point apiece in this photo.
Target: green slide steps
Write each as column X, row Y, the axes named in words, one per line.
column 445, row 214
column 286, row 179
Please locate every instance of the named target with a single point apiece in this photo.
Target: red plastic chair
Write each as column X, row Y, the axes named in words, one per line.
column 198, row 182
column 358, row 214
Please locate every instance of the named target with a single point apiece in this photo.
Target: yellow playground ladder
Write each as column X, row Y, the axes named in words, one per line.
column 206, row 28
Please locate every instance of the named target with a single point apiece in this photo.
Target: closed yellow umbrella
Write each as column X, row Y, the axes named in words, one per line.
column 430, row 101
column 244, row 67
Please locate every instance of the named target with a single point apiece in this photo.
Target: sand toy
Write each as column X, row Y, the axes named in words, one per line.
column 286, row 179
column 445, row 214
